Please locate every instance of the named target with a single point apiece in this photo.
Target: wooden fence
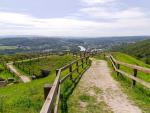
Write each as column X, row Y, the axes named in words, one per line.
column 52, row 94
column 116, row 65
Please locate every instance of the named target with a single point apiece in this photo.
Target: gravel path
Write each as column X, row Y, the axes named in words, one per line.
column 22, row 77
column 99, row 76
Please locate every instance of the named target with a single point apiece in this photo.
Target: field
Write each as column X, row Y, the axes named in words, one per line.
column 34, row 67
column 139, row 94
column 5, row 74
column 28, row 98
column 7, row 47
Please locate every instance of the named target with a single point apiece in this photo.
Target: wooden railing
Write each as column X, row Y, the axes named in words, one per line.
column 53, row 95
column 116, row 65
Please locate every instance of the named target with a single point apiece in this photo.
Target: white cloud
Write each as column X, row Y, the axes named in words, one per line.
column 97, row 2
column 94, row 18
column 128, row 21
column 102, row 12
column 19, row 24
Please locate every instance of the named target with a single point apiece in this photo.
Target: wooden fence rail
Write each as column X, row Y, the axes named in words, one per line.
column 53, row 98
column 116, row 65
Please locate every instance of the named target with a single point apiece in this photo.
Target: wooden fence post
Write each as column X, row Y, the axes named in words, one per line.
column 70, row 70
column 77, row 64
column 118, row 67
column 86, row 60
column 135, row 75
column 82, row 63
column 57, row 70
column 47, row 88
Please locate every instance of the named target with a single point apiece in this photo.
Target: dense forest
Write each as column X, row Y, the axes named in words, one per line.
column 140, row 50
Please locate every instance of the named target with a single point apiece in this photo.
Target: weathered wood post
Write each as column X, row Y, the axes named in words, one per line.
column 82, row 62
column 135, row 75
column 57, row 70
column 118, row 67
column 77, row 66
column 86, row 60
column 70, row 70
column 47, row 88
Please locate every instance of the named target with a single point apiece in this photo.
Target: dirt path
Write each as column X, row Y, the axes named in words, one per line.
column 22, row 77
column 99, row 76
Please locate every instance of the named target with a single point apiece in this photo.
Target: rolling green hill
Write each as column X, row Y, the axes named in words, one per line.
column 140, row 50
column 139, row 94
column 28, row 97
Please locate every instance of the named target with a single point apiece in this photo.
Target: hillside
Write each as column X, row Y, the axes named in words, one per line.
column 22, row 44
column 28, row 98
column 140, row 50
column 139, row 94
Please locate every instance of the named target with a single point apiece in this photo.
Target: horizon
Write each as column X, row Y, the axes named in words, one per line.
column 69, row 37
column 78, row 18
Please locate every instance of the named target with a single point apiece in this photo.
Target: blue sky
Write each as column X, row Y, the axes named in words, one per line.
column 88, row 18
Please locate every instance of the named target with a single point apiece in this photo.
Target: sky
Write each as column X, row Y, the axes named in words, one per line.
column 77, row 18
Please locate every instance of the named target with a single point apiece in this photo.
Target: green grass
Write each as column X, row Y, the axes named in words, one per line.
column 69, row 85
column 35, row 66
column 5, row 74
column 131, row 60
column 7, row 47
column 100, row 56
column 139, row 49
column 29, row 97
column 139, row 94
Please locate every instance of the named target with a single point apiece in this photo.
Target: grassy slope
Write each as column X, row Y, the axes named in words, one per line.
column 139, row 50
column 139, row 94
column 5, row 73
column 28, row 98
column 36, row 65
column 128, row 59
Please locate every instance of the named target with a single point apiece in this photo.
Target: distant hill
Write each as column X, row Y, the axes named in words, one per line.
column 41, row 43
column 140, row 50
